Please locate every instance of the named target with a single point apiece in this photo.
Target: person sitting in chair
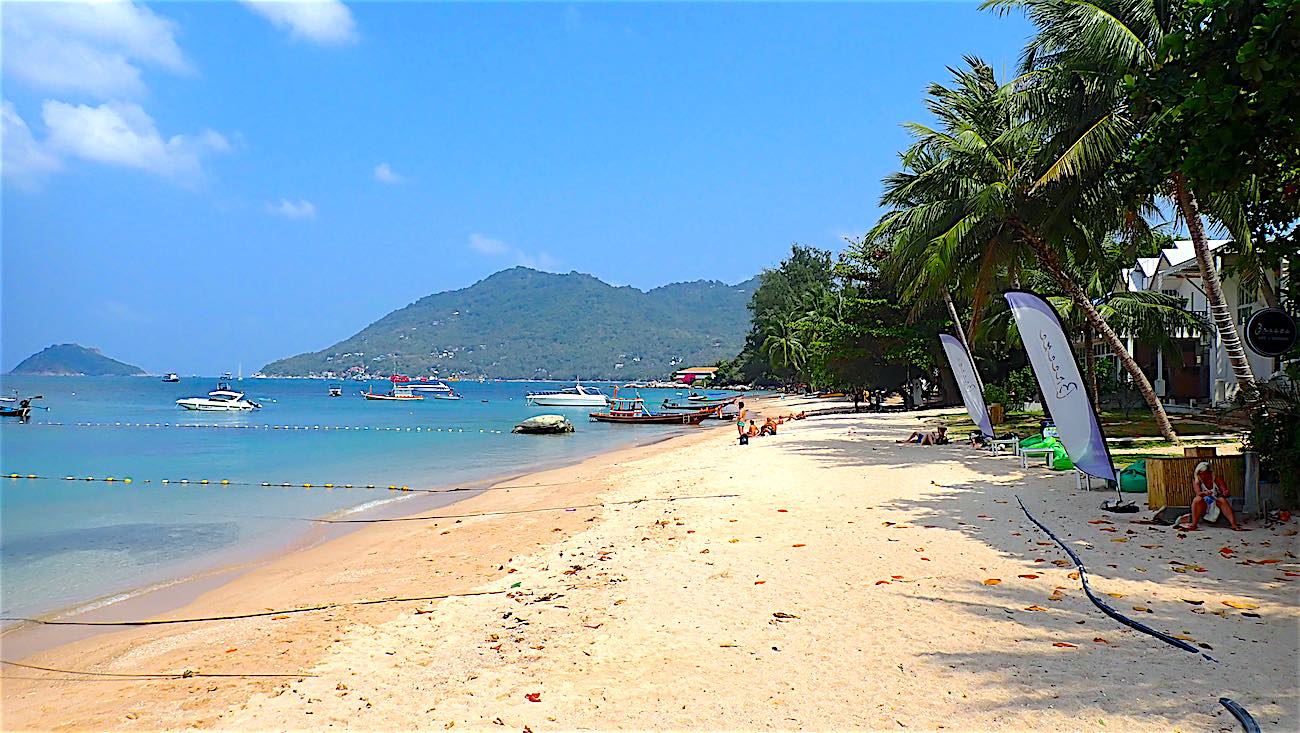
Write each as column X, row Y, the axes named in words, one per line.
column 1209, row 498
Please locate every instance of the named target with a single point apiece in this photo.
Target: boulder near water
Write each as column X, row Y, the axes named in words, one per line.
column 545, row 424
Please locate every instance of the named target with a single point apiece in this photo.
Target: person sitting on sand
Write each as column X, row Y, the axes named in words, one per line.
column 769, row 427
column 1210, row 496
column 801, row 416
column 752, row 431
column 934, row 437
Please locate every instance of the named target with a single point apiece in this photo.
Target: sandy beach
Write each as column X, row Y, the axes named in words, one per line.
column 823, row 578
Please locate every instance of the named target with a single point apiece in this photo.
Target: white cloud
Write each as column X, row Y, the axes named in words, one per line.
column 25, row 161
column 497, row 248
column 300, row 209
column 87, row 48
column 384, row 173
column 324, row 22
column 123, row 134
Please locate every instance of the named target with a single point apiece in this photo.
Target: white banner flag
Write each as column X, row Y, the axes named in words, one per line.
column 963, row 370
column 1061, row 383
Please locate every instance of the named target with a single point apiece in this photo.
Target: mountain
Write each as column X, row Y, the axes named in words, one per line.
column 74, row 360
column 522, row 323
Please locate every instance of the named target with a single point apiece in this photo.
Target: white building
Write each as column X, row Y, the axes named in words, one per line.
column 1201, row 374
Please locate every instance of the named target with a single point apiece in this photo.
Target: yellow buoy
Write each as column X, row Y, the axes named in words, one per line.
column 31, row 475
column 329, row 486
column 110, row 479
column 126, row 480
column 225, row 482
column 204, row 481
column 306, row 486
column 13, row 475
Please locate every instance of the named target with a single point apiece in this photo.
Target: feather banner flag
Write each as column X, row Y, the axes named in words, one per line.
column 963, row 370
column 1064, row 393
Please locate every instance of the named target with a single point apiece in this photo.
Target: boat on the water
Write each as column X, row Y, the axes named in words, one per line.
column 632, row 411
column 222, row 399
column 396, row 394
column 716, row 398
column 575, row 396
column 446, row 395
column 336, row 390
column 19, row 408
column 171, row 377
column 429, row 385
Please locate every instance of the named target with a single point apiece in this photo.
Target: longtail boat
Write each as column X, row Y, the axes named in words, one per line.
column 632, row 410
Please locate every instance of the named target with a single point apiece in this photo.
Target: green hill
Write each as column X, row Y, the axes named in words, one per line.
column 522, row 323
column 73, row 360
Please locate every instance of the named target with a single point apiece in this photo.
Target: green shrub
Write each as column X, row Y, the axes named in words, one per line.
column 1275, row 434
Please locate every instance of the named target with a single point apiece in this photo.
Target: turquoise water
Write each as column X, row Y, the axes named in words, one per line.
column 65, row 543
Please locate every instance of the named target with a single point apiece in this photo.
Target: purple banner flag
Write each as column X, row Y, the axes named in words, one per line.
column 963, row 370
column 1062, row 385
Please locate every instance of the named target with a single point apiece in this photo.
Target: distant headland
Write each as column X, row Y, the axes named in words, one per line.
column 74, row 360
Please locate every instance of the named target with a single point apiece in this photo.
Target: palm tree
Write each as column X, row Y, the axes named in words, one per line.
column 968, row 205
column 784, row 347
column 1091, row 46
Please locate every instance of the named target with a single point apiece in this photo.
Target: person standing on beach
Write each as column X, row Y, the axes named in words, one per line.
column 740, row 417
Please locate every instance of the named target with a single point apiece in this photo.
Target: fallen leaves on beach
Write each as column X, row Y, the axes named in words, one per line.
column 1100, row 521
column 1182, row 637
column 1107, row 529
column 759, row 582
column 1100, row 640
column 1062, row 563
column 1120, row 539
column 1056, row 597
column 534, row 697
column 896, row 577
column 783, row 510
column 733, row 540
column 280, row 617
column 992, row 581
column 799, row 545
column 1241, row 605
column 232, row 649
column 1045, row 544
column 1115, row 595
column 1028, row 576
column 1152, row 547
column 728, row 645
column 1065, row 645
column 1035, row 608
column 1073, row 576
column 882, row 582
column 1142, row 609
column 1193, row 602
column 784, row 615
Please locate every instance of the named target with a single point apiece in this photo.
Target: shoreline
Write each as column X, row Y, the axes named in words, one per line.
column 317, row 572
column 22, row 639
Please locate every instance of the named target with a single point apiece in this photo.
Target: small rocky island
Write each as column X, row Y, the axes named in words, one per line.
column 74, row 360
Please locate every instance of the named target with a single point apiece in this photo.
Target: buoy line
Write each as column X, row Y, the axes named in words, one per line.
column 267, row 426
column 143, row 676
column 274, row 484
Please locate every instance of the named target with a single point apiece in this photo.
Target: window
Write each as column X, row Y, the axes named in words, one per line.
column 1245, row 303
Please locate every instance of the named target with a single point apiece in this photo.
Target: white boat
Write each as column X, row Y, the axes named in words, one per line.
column 575, row 396
column 430, row 385
column 171, row 377
column 223, row 398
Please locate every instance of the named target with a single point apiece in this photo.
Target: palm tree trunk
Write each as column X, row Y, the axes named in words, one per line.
column 1219, row 313
column 1080, row 298
column 1090, row 361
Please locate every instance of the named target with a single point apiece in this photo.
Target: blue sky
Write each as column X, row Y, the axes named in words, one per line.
column 192, row 186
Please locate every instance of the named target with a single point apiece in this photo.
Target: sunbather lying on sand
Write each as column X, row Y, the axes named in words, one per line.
column 938, row 436
column 1209, row 497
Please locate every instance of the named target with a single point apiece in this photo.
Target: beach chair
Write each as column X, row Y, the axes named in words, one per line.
column 1027, row 454
column 997, row 444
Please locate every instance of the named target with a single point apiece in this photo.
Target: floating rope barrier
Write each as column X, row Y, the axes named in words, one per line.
column 274, row 484
column 223, row 426
column 1237, row 710
column 129, row 676
column 255, row 614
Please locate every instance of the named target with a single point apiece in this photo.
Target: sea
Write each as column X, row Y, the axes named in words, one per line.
column 206, row 488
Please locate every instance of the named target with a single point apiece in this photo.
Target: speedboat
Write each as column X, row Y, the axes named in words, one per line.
column 336, row 390
column 223, row 398
column 575, row 396
column 430, row 385
column 171, row 377
column 449, row 395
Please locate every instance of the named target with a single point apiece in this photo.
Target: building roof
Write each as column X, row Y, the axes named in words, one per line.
column 1182, row 253
column 697, row 370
